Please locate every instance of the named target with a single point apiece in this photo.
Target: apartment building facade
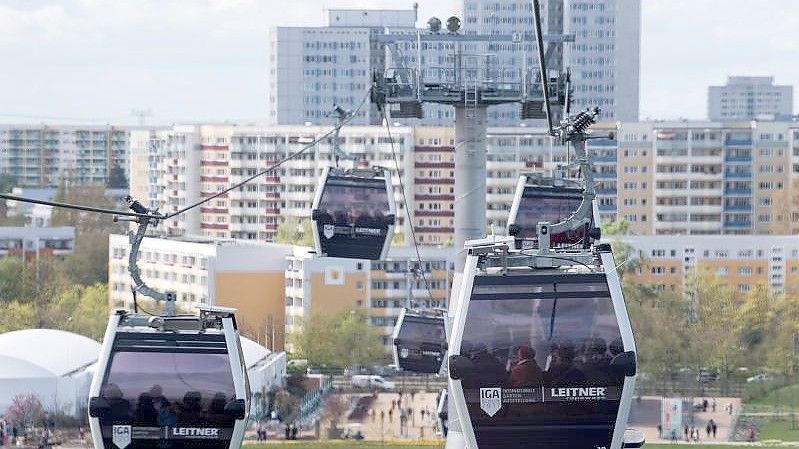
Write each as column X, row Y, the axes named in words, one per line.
column 660, row 177
column 313, row 68
column 604, row 58
column 186, row 164
column 742, row 262
column 750, row 98
column 29, row 243
column 47, row 155
column 247, row 276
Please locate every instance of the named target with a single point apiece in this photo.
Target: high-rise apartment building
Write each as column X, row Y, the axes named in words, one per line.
column 604, row 58
column 44, row 156
column 750, row 98
column 311, row 69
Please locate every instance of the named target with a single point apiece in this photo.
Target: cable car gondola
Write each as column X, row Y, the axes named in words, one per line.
column 542, row 351
column 544, row 199
column 420, row 341
column 171, row 382
column 353, row 213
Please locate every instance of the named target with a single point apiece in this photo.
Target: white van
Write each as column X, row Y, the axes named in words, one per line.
column 371, row 381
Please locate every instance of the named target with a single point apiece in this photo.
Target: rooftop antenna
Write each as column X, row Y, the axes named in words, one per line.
column 141, row 114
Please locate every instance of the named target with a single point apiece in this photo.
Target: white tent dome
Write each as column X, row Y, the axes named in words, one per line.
column 59, row 352
column 52, row 364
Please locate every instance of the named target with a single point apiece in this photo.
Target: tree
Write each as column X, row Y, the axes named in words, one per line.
column 88, row 262
column 287, row 405
column 335, row 408
column 618, row 227
column 294, row 232
column 86, row 221
column 26, row 410
column 79, row 309
column 17, row 315
column 338, row 340
column 117, row 178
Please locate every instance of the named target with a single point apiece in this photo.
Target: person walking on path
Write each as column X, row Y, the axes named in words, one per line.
column 714, row 428
column 708, row 429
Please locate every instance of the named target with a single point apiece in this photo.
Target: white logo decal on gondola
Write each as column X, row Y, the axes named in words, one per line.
column 329, row 231
column 121, row 436
column 491, row 400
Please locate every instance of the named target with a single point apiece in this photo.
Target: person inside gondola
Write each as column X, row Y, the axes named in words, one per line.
column 490, row 372
column 146, row 415
column 562, row 371
column 216, row 411
column 118, row 405
column 526, row 372
column 191, row 411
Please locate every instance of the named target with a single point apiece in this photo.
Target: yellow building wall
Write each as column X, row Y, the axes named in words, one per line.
column 331, row 299
column 732, row 278
column 261, row 302
column 670, row 281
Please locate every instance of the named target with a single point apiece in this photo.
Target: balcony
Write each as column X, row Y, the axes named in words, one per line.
column 738, row 158
column 605, row 159
column 607, row 207
column 605, row 175
column 738, row 142
column 606, row 191
column 738, row 192
column 738, row 207
column 738, row 175
column 738, row 224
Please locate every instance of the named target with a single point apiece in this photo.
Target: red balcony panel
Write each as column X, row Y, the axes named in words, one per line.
column 213, row 226
column 206, row 146
column 439, row 230
column 434, row 197
column 434, row 165
column 213, row 210
column 434, row 180
column 433, row 149
column 207, row 194
column 272, row 211
column 213, row 163
column 213, row 178
column 434, row 213
column 272, row 195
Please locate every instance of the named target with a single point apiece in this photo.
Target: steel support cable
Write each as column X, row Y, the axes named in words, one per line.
column 405, row 201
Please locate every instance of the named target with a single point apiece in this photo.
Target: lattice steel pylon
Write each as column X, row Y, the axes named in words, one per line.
column 471, row 84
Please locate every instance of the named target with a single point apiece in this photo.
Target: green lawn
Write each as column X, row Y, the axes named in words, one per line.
column 779, row 430
column 783, row 397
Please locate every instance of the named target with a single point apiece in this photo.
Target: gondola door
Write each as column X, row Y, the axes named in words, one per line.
column 542, row 359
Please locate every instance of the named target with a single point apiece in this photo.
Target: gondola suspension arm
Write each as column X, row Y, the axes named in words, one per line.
column 139, row 285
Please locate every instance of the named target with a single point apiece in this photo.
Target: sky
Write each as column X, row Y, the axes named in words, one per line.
column 96, row 61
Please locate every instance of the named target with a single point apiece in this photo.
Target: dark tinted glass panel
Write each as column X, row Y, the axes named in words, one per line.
column 539, row 205
column 541, row 353
column 353, row 201
column 422, row 330
column 169, row 389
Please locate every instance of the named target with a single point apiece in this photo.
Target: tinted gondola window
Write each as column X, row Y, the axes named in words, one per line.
column 169, row 389
column 541, row 353
column 423, row 331
column 345, row 203
column 536, row 207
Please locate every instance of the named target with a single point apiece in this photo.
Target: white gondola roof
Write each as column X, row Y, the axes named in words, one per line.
column 39, row 352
